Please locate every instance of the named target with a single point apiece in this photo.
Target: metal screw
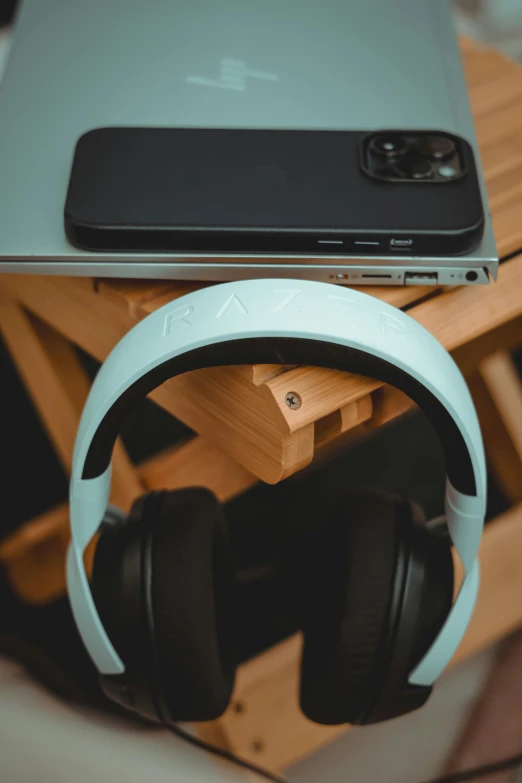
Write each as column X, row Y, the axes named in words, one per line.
column 293, row 400
column 257, row 745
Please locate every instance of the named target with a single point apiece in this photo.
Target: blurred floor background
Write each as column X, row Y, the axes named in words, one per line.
column 496, row 22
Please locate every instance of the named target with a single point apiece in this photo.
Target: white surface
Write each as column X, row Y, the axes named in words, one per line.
column 496, row 22
column 45, row 740
column 260, row 309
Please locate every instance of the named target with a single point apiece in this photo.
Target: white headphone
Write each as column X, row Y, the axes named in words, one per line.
column 287, row 322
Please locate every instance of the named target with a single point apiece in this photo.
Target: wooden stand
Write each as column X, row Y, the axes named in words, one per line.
column 248, row 432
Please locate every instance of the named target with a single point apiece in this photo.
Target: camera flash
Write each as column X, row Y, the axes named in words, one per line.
column 447, row 171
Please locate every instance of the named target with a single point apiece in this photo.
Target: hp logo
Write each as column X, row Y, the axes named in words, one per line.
column 233, row 75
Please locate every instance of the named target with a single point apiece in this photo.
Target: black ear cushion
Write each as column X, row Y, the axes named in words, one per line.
column 437, row 590
column 347, row 618
column 192, row 598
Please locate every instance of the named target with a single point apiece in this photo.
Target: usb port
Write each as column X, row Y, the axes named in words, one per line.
column 401, row 243
column 421, row 278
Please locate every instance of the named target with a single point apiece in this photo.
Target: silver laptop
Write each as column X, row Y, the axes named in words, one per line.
column 281, row 65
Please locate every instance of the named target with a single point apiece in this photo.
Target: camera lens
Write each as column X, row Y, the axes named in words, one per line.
column 414, row 167
column 389, row 146
column 438, row 147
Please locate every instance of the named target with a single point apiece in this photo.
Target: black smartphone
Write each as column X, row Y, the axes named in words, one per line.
column 274, row 191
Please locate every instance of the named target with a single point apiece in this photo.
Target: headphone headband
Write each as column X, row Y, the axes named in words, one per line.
column 285, row 322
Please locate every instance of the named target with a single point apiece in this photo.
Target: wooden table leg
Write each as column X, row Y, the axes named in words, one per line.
column 58, row 386
column 497, row 392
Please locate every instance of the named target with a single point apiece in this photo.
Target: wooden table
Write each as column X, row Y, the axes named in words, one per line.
column 247, row 432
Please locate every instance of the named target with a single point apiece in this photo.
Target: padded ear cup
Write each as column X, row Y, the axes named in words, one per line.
column 192, row 595
column 354, row 606
column 349, row 598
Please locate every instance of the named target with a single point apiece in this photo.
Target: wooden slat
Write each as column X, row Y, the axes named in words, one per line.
column 34, row 533
column 500, row 157
column 260, row 373
column 398, row 296
column 221, row 404
column 505, row 336
column 388, row 403
column 125, row 484
column 58, row 385
column 484, row 66
column 196, row 463
column 73, row 308
column 42, row 377
column 33, row 557
column 505, row 386
column 134, row 295
column 489, row 97
column 503, row 460
column 505, row 189
column 508, row 227
column 321, row 392
column 179, row 289
column 492, row 128
column 347, row 418
column 497, row 392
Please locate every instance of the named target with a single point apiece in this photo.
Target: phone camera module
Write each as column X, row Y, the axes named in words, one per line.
column 389, row 146
column 438, row 147
column 413, row 156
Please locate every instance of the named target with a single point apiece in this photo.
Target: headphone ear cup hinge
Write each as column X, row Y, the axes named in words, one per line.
column 128, row 692
column 438, row 527
column 114, row 517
